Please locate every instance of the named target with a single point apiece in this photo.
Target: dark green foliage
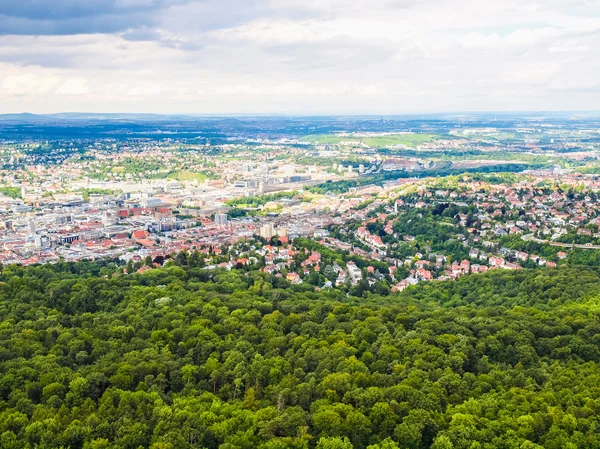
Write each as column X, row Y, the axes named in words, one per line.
column 182, row 357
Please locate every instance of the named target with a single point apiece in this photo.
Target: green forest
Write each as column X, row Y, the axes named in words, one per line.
column 184, row 357
column 345, row 185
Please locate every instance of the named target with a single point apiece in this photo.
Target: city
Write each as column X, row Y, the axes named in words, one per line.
column 353, row 193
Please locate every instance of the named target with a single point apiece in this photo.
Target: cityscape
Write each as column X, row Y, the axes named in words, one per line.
column 350, row 192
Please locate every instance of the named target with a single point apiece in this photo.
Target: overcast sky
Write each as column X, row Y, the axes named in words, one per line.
column 299, row 56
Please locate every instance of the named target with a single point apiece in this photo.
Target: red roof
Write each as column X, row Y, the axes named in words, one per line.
column 139, row 234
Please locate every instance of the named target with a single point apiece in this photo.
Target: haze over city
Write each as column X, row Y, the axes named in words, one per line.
column 298, row 57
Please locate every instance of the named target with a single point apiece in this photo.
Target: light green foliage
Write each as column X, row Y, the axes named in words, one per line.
column 385, row 444
column 13, row 192
column 185, row 175
column 334, row 443
column 410, row 140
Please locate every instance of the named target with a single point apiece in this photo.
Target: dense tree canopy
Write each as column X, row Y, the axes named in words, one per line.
column 183, row 357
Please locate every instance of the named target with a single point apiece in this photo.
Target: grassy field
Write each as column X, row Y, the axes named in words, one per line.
column 185, row 175
column 410, row 140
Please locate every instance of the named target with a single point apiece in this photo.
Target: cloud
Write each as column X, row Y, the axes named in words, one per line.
column 141, row 34
column 313, row 56
column 292, row 89
column 65, row 17
column 74, row 86
column 161, row 37
column 29, row 84
column 71, row 9
column 518, row 38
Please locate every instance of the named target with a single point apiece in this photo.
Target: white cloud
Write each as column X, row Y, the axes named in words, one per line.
column 74, row 86
column 29, row 84
column 317, row 56
column 518, row 38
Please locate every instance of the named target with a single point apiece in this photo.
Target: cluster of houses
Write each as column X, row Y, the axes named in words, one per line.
column 534, row 206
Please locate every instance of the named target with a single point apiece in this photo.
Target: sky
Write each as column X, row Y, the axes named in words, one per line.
column 299, row 56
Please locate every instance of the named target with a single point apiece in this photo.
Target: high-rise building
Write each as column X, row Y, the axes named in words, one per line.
column 220, row 219
column 109, row 218
column 267, row 231
column 42, row 241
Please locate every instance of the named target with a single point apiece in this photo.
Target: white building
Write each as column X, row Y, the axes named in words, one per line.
column 220, row 219
column 267, row 231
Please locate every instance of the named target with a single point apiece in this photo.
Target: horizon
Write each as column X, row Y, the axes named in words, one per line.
column 450, row 113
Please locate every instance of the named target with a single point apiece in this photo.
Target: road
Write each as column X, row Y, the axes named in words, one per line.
column 531, row 238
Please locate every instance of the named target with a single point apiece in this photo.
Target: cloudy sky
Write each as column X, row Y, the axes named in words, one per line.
column 299, row 56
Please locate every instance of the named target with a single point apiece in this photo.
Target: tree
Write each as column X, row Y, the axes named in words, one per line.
column 385, row 444
column 186, row 357
column 189, row 373
column 442, row 442
column 334, row 443
column 181, row 259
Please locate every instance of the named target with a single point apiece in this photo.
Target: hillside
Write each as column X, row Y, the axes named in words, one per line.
column 183, row 357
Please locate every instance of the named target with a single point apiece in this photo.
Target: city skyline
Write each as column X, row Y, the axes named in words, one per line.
column 329, row 57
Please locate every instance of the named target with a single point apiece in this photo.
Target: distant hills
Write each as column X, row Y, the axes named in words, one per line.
column 76, row 116
column 65, row 117
column 25, row 118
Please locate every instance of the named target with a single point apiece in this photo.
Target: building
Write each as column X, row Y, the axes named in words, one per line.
column 220, row 219
column 267, row 231
column 354, row 272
